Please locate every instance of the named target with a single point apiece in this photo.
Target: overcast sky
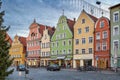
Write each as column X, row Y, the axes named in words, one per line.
column 19, row 14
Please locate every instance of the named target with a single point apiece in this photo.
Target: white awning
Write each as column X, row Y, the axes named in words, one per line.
column 61, row 57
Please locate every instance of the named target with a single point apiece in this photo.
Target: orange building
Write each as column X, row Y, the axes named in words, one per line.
column 102, row 43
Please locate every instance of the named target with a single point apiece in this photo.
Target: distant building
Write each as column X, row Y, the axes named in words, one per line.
column 45, row 46
column 84, row 40
column 102, row 43
column 62, row 42
column 115, row 35
column 18, row 50
column 9, row 39
column 34, row 44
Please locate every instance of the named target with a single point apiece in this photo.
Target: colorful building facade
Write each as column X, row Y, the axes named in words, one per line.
column 34, row 44
column 84, row 40
column 102, row 43
column 45, row 46
column 18, row 50
column 115, row 35
column 62, row 42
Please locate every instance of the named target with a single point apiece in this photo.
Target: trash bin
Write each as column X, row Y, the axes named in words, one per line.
column 26, row 71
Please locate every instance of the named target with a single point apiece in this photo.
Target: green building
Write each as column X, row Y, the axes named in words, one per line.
column 62, row 42
column 115, row 35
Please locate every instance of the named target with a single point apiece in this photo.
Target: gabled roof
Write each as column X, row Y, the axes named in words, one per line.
column 71, row 24
column 22, row 40
column 114, row 6
column 91, row 16
column 51, row 30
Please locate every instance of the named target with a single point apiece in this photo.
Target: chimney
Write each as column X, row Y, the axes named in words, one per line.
column 74, row 19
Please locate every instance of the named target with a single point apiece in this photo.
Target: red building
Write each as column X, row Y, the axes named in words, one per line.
column 33, row 44
column 102, row 43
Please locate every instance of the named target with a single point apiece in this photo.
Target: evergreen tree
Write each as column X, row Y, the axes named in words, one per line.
column 5, row 60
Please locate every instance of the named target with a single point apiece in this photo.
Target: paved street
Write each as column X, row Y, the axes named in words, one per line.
column 65, row 74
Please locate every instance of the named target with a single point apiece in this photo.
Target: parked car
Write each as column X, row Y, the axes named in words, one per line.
column 53, row 67
column 21, row 68
column 86, row 68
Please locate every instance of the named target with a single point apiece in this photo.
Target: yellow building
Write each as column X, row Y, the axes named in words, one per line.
column 18, row 50
column 84, row 40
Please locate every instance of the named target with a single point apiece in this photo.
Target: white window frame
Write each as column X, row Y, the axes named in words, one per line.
column 103, row 36
column 97, row 46
column 90, row 38
column 114, row 16
column 97, row 37
column 104, row 45
column 76, row 51
column 82, row 51
column 76, row 41
column 89, row 51
column 84, row 40
column 114, row 30
column 102, row 22
column 87, row 29
column 79, row 31
column 113, row 43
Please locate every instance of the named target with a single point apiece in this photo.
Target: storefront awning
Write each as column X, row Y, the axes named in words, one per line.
column 69, row 58
column 61, row 57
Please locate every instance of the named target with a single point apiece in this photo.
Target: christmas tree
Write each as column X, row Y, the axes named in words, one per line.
column 5, row 60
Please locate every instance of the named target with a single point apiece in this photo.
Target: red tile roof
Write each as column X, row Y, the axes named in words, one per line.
column 22, row 40
column 51, row 30
column 92, row 17
column 71, row 24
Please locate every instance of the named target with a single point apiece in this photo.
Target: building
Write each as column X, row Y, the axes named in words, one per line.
column 18, row 50
column 45, row 46
column 62, row 42
column 102, row 43
column 9, row 39
column 115, row 35
column 34, row 44
column 84, row 40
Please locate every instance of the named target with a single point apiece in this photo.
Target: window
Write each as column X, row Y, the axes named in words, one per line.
column 90, row 39
column 101, row 24
column 79, row 31
column 115, row 43
column 64, row 28
column 69, row 51
column 57, row 44
column 104, row 46
column 115, row 30
column 57, row 36
column 77, row 41
column 98, row 35
column 83, row 40
column 105, row 34
column 52, row 52
column 83, row 21
column 83, row 51
column 64, row 35
column 53, row 44
column 77, row 51
column 90, row 50
column 60, row 36
column 116, row 16
column 57, row 51
column 98, row 46
column 69, row 42
column 63, row 51
column 64, row 43
column 86, row 29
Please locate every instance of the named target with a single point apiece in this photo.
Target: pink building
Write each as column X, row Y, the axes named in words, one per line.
column 33, row 44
